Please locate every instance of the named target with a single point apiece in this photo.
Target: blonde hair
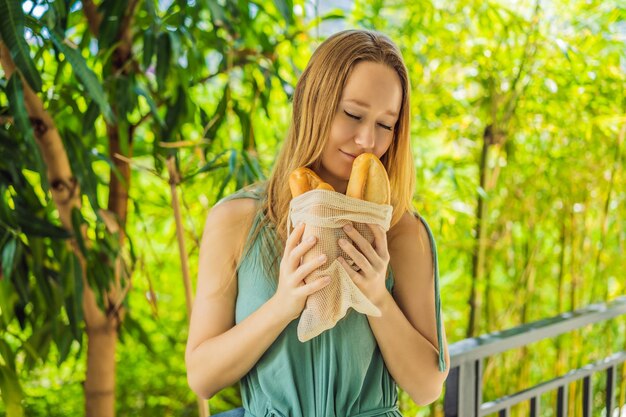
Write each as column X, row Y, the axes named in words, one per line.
column 315, row 101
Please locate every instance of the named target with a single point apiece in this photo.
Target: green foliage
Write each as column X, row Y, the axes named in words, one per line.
column 209, row 83
column 12, row 34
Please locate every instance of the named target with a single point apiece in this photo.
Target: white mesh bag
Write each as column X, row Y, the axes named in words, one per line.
column 324, row 213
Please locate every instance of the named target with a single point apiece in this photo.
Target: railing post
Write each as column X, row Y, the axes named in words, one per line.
column 610, row 390
column 587, row 396
column 464, row 390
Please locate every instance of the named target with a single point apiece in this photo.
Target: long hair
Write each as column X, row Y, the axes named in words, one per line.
column 315, row 101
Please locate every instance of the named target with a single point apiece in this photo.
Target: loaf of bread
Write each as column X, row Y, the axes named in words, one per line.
column 303, row 179
column 369, row 180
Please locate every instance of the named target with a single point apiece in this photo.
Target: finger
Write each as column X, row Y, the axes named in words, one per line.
column 351, row 272
column 308, row 267
column 299, row 251
column 360, row 241
column 294, row 238
column 315, row 286
column 359, row 259
column 380, row 241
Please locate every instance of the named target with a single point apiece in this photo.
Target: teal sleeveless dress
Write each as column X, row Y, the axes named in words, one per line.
column 340, row 373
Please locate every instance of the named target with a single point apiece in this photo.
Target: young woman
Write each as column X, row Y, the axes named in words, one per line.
column 353, row 97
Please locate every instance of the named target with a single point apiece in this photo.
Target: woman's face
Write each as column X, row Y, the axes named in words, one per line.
column 364, row 122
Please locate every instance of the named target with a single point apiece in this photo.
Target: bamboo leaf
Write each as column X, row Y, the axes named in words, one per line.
column 285, row 7
column 15, row 94
column 7, row 300
column 77, row 223
column 148, row 47
column 112, row 15
column 219, row 116
column 11, row 391
column 8, row 257
column 12, row 32
column 217, row 13
column 85, row 75
column 91, row 114
column 134, row 327
column 39, row 227
column 164, row 54
column 212, row 165
column 140, row 91
column 244, row 119
column 74, row 299
column 81, row 161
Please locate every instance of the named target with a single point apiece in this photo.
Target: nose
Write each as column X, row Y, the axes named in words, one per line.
column 365, row 138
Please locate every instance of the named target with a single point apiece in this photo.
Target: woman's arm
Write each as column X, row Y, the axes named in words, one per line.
column 406, row 332
column 219, row 352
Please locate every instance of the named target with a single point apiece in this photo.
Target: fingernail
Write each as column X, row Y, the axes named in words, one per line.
column 343, row 242
column 326, row 278
column 322, row 257
column 310, row 239
column 347, row 228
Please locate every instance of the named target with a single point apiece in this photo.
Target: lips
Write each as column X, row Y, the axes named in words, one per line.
column 349, row 155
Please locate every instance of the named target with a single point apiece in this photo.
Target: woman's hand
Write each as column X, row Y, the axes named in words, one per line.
column 371, row 259
column 292, row 291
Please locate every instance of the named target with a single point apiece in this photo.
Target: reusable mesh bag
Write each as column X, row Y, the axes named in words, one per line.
column 324, row 213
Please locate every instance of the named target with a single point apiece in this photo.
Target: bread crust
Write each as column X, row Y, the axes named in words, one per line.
column 369, row 180
column 304, row 179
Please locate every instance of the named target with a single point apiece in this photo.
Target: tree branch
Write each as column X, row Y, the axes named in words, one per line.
column 94, row 18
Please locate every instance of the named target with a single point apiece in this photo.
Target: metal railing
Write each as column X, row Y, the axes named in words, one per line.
column 464, row 397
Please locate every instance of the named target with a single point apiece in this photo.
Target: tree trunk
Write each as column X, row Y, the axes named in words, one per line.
column 65, row 190
column 478, row 257
column 100, row 378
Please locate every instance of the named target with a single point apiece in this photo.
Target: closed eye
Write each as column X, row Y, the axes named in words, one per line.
column 358, row 118
column 352, row 115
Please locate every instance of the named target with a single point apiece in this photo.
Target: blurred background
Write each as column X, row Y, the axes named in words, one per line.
column 123, row 122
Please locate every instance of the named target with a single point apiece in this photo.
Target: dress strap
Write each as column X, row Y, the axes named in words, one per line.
column 433, row 245
column 255, row 191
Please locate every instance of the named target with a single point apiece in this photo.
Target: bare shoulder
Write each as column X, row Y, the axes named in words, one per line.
column 409, row 233
column 228, row 224
column 232, row 212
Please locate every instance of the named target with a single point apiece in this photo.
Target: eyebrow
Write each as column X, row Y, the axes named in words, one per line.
column 367, row 106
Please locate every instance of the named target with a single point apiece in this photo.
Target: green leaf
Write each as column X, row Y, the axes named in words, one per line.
column 244, row 119
column 163, row 58
column 12, row 33
column 133, row 327
column 212, row 165
column 140, row 91
column 217, row 13
column 11, row 391
column 77, row 223
column 112, row 13
column 15, row 94
column 39, row 227
column 218, row 116
column 74, row 297
column 285, row 7
column 85, row 75
column 7, row 354
column 148, row 47
column 90, row 117
column 9, row 252
column 81, row 162
column 175, row 114
column 7, row 301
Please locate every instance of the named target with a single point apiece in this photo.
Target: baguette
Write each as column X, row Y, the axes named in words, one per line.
column 303, row 179
column 368, row 180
